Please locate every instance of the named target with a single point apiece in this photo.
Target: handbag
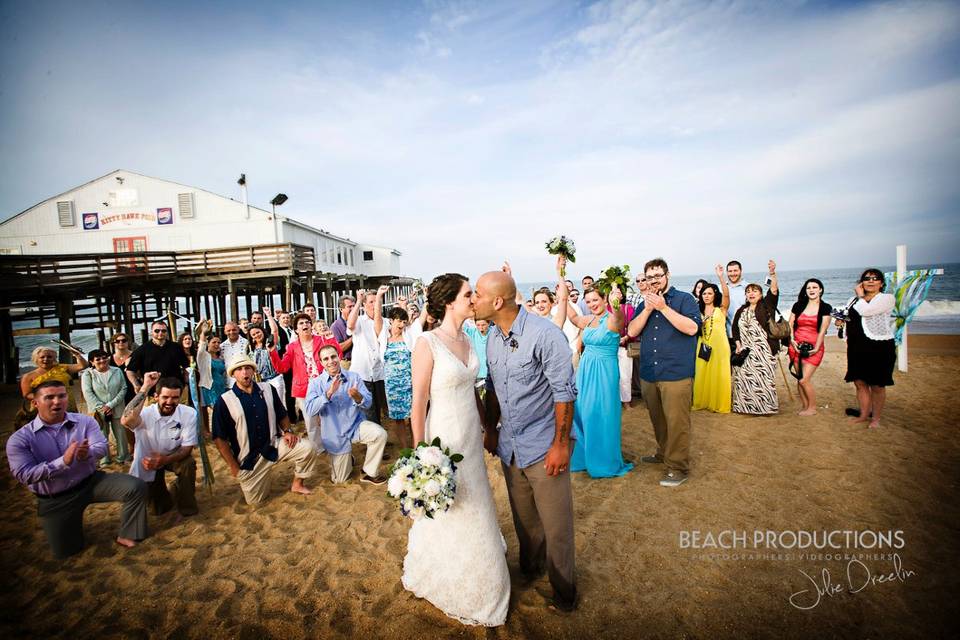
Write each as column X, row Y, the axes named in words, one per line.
column 704, row 352
column 738, row 358
column 778, row 329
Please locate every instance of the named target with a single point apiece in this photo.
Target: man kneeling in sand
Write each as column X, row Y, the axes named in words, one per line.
column 252, row 431
column 339, row 398
column 166, row 435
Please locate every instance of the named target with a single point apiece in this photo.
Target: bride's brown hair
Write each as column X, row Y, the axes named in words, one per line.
column 442, row 291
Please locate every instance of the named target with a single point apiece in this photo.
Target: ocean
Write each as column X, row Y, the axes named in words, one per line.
column 939, row 314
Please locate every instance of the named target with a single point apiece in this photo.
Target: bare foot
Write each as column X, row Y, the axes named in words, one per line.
column 874, row 424
column 859, row 420
column 299, row 487
column 126, row 542
column 807, row 412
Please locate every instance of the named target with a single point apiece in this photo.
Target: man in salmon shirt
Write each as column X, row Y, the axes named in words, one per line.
column 303, row 357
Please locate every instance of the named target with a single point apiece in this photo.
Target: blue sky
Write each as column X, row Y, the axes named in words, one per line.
column 466, row 133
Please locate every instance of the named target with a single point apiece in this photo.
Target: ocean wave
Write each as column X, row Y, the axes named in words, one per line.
column 938, row 308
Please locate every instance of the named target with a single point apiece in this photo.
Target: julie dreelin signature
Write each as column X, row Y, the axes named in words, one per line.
column 858, row 578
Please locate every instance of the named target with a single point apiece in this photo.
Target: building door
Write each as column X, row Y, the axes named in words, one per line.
column 133, row 244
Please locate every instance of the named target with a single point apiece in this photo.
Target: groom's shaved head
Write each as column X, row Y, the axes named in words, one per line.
column 498, row 284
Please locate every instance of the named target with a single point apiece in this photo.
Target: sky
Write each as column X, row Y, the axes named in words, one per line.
column 463, row 133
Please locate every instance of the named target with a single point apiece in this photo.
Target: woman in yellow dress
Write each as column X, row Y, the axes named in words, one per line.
column 711, row 382
column 48, row 368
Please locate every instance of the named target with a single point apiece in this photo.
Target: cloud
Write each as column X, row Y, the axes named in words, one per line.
column 467, row 133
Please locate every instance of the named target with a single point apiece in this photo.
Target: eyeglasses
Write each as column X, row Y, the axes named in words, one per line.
column 870, row 279
column 656, row 276
column 159, row 330
column 641, row 280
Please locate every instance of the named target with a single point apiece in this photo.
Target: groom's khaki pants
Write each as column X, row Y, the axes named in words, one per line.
column 542, row 507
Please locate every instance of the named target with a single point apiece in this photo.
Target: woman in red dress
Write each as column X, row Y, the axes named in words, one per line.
column 809, row 320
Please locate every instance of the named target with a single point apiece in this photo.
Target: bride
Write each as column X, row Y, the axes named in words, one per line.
column 455, row 561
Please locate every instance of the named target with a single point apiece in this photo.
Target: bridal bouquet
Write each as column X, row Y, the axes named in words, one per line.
column 423, row 481
column 562, row 246
column 614, row 275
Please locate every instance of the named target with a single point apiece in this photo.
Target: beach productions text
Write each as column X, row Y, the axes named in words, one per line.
column 800, row 539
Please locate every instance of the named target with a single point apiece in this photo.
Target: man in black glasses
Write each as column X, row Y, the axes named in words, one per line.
column 166, row 435
column 159, row 354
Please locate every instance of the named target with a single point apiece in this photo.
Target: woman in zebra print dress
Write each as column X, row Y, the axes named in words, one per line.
column 754, row 382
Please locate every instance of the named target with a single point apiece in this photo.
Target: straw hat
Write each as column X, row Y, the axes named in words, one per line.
column 240, row 361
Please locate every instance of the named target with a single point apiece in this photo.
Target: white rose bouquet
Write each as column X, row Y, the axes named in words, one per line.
column 562, row 246
column 423, row 481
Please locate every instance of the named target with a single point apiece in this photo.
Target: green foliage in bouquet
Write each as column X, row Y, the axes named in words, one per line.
column 614, row 275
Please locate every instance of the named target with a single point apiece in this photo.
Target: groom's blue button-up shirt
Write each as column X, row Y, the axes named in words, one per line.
column 530, row 368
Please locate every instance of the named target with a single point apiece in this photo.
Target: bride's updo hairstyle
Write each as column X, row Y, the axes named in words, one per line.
column 442, row 291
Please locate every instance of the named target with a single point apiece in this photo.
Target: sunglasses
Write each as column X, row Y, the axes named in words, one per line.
column 119, row 340
column 870, row 279
column 159, row 330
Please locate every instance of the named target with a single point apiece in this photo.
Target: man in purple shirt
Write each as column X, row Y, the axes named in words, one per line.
column 56, row 456
column 339, row 328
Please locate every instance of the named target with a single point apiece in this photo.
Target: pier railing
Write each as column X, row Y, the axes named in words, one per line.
column 18, row 273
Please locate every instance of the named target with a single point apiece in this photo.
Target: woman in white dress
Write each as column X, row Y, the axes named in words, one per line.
column 457, row 560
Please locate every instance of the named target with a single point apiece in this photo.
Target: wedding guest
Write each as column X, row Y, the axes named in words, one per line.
column 624, row 361
column 158, row 354
column 575, row 297
column 586, row 282
column 211, row 371
column 667, row 322
column 596, row 411
column 186, row 343
column 311, row 310
column 260, row 353
column 235, row 345
column 340, row 329
column 48, row 368
column 256, row 320
column 366, row 353
column 754, row 381
column 570, row 330
column 871, row 351
column 479, row 331
column 252, row 433
column 55, row 456
column 104, row 388
column 738, row 293
column 166, row 435
column 242, row 325
column 320, row 328
column 285, row 334
column 711, row 382
column 338, row 399
column 396, row 349
column 697, row 288
column 121, row 356
column 303, row 358
column 635, row 300
column 809, row 320
column 543, row 305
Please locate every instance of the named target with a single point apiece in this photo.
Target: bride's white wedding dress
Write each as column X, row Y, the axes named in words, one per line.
column 457, row 561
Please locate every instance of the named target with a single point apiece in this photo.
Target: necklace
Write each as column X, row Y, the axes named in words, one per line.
column 458, row 338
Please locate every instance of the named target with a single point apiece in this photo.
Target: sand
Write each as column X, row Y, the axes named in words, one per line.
column 329, row 564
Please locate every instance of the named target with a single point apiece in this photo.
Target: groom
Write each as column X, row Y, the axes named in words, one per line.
column 530, row 392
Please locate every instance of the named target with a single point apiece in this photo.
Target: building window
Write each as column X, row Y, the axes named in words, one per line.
column 66, row 213
column 339, row 255
column 352, row 263
column 368, row 256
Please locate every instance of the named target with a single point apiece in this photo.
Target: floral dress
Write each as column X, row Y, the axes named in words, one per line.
column 399, row 379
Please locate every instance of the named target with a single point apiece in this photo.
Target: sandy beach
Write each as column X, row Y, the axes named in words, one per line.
column 328, row 565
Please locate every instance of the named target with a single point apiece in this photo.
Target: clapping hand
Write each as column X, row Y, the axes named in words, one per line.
column 76, row 450
column 355, row 395
column 655, row 301
column 332, row 389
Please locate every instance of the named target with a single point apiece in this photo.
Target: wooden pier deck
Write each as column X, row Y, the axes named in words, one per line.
column 113, row 292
